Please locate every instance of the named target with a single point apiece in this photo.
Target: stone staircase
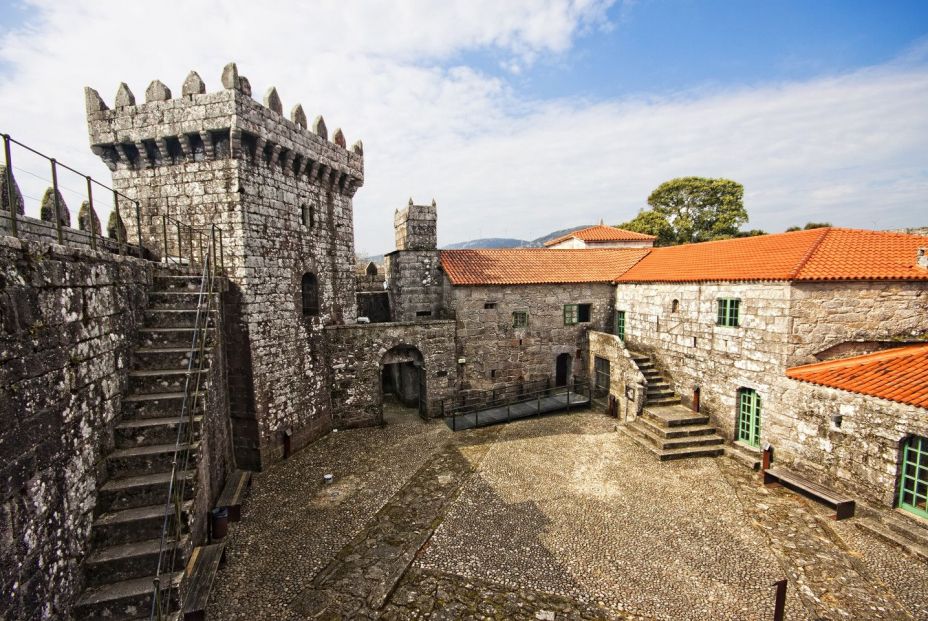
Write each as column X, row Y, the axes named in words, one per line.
column 125, row 537
column 908, row 533
column 666, row 428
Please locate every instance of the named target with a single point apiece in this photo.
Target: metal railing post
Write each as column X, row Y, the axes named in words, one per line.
column 164, row 236
column 57, row 202
column 93, row 235
column 138, row 226
column 119, row 224
column 180, row 244
column 10, row 193
column 779, row 601
column 222, row 260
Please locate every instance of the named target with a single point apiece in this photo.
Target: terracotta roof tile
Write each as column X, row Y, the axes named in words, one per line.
column 523, row 266
column 899, row 374
column 817, row 254
column 603, row 233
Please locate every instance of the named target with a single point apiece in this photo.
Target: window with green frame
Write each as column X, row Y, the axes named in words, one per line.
column 913, row 483
column 728, row 312
column 571, row 314
column 519, row 319
column 748, row 417
column 620, row 324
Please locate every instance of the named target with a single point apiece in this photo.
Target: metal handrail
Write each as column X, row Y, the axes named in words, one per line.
column 90, row 181
column 208, row 234
column 173, row 511
column 465, row 409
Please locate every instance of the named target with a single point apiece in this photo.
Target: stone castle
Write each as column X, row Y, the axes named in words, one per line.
column 766, row 341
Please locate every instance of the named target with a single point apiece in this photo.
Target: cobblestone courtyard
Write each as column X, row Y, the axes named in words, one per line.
column 560, row 518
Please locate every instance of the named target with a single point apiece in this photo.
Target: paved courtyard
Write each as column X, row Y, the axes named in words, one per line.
column 553, row 518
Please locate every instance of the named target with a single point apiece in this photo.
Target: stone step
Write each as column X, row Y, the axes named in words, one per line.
column 134, row 432
column 126, row 561
column 177, row 337
column 174, row 318
column 907, row 525
column 145, row 358
column 126, row 599
column 748, row 457
column 144, row 459
column 167, row 299
column 664, row 443
column 664, row 401
column 660, row 392
column 680, row 431
column 688, row 452
column 135, row 524
column 142, row 490
column 912, row 547
column 158, row 405
column 175, row 282
column 150, row 381
column 674, row 415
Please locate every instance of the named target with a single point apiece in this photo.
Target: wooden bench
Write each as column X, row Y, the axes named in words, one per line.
column 233, row 493
column 844, row 505
column 199, row 574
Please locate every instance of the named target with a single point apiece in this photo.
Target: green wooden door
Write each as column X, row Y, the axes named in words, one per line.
column 749, row 417
column 913, row 488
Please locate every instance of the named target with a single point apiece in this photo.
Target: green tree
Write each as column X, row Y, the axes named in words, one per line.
column 651, row 223
column 809, row 226
column 699, row 209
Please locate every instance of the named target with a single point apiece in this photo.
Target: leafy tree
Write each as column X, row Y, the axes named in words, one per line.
column 809, row 226
column 700, row 209
column 751, row 233
column 651, row 223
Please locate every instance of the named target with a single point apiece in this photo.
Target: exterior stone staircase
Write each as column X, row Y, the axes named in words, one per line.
column 125, row 536
column 667, row 428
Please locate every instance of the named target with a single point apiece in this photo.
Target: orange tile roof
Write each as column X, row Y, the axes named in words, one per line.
column 602, row 233
column 817, row 254
column 524, row 266
column 899, row 374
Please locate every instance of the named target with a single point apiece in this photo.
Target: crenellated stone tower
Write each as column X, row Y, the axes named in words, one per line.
column 413, row 270
column 281, row 193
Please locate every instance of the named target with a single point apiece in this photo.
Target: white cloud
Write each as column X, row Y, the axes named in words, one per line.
column 849, row 149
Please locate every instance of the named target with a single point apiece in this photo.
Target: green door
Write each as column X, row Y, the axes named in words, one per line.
column 749, row 417
column 620, row 324
column 913, row 488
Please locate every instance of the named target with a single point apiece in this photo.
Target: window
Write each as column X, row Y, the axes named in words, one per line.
column 519, row 319
column 423, row 313
column 748, row 417
column 728, row 312
column 310, row 294
column 620, row 324
column 675, row 306
column 489, row 305
column 913, row 484
column 601, row 373
column 306, row 215
column 570, row 314
column 583, row 313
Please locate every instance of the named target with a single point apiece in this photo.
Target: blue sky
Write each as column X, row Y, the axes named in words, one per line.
column 525, row 116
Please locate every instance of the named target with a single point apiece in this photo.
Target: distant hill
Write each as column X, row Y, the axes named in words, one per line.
column 498, row 242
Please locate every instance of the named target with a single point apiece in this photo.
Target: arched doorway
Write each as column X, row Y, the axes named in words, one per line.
column 402, row 380
column 562, row 370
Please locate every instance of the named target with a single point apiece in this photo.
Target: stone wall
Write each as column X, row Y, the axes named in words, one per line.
column 281, row 194
column 68, row 318
column 356, row 354
column 826, row 315
column 496, row 353
column 414, row 280
column 693, row 350
column 862, row 455
column 626, row 382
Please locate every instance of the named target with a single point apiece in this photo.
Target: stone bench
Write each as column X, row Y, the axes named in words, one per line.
column 844, row 505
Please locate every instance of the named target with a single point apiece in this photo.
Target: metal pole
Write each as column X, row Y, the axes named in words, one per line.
column 138, row 226
column 164, row 236
column 222, row 260
column 10, row 194
column 57, row 202
column 779, row 602
column 93, row 235
column 180, row 244
column 119, row 225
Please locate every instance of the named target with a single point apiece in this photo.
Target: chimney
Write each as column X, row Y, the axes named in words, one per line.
column 921, row 258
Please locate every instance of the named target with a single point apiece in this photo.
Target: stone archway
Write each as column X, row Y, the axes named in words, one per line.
column 402, row 378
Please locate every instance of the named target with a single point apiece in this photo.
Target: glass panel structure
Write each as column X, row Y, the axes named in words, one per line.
column 749, row 417
column 913, row 486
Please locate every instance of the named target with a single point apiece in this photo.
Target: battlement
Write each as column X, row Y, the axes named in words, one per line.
column 415, row 227
column 197, row 126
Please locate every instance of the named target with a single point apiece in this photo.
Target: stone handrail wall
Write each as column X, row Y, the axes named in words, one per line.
column 624, row 373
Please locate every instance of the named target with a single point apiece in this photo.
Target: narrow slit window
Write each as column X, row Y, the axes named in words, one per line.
column 310, row 291
column 489, row 305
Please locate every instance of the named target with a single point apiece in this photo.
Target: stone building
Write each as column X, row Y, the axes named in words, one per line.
column 601, row 236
